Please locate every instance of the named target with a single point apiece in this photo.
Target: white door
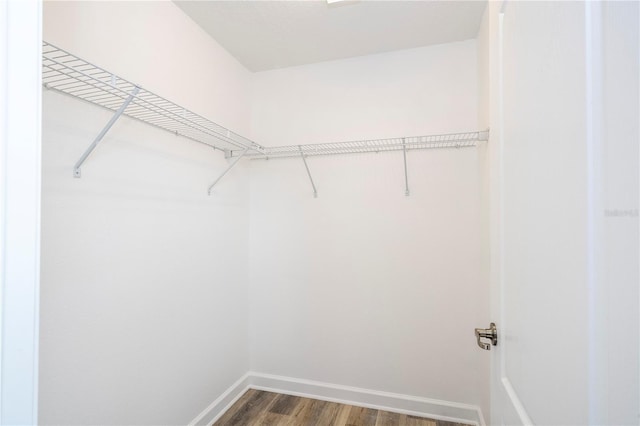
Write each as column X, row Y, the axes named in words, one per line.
column 564, row 213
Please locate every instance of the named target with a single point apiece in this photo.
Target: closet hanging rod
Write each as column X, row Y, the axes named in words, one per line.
column 69, row 74
column 449, row 140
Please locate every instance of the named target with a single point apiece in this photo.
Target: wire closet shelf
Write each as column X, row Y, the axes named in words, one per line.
column 450, row 140
column 66, row 73
column 69, row 74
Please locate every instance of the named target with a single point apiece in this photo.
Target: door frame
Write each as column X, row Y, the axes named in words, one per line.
column 20, row 142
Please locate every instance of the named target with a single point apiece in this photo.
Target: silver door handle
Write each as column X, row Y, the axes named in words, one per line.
column 490, row 333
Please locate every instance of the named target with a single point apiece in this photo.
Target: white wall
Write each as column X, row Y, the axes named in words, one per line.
column 619, row 327
column 404, row 93
column 364, row 286
column 144, row 277
column 154, row 44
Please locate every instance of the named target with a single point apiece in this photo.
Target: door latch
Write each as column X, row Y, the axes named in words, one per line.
column 490, row 333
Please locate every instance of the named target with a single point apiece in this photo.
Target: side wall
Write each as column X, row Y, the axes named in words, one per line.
column 363, row 286
column 144, row 277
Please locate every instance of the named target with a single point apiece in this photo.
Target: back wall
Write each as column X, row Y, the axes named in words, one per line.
column 363, row 286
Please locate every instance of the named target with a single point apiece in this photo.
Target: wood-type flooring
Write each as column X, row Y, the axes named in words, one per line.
column 260, row 408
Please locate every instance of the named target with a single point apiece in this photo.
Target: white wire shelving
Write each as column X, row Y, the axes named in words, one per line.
column 69, row 74
column 450, row 140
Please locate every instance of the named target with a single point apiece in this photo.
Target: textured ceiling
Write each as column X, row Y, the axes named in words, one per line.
column 265, row 35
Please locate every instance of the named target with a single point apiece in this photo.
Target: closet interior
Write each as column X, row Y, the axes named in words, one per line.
column 297, row 198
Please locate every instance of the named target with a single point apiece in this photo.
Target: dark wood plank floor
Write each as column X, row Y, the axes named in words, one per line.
column 259, row 408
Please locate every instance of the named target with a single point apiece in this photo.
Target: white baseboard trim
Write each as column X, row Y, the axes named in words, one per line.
column 405, row 404
column 218, row 407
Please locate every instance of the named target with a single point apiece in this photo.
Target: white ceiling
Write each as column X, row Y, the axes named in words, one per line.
column 265, row 35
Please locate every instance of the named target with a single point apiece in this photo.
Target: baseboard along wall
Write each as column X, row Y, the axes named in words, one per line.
column 405, row 404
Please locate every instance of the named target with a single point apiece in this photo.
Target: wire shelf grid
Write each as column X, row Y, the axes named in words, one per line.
column 451, row 140
column 66, row 73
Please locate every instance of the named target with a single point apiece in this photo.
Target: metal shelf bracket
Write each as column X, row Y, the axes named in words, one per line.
column 313, row 185
column 66, row 73
column 233, row 163
column 76, row 169
column 406, row 175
